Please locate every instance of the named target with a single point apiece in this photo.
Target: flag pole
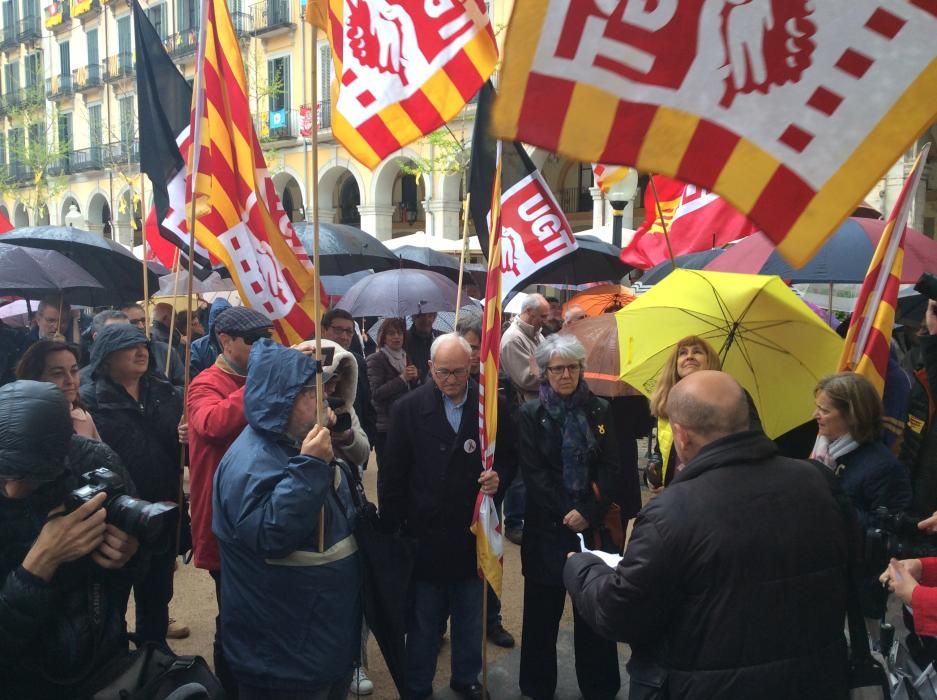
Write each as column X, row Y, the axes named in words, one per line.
column 146, row 277
column 316, row 300
column 660, row 216
column 172, row 321
column 458, row 294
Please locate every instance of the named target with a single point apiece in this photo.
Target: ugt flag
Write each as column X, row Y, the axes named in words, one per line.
column 694, row 219
column 534, row 230
column 403, row 68
column 789, row 109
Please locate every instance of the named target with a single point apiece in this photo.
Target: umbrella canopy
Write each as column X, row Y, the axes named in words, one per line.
column 844, row 258
column 176, row 283
column 596, row 300
column 593, row 261
column 768, row 339
column 400, row 293
column 421, row 258
column 338, row 285
column 345, row 249
column 690, row 261
column 35, row 272
column 108, row 262
column 599, row 336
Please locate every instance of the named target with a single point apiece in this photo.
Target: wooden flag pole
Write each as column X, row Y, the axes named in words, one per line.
column 316, row 300
column 485, row 633
column 146, row 269
column 172, row 320
column 458, row 294
column 660, row 215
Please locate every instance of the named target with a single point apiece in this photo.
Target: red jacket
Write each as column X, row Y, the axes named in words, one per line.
column 216, row 418
column 924, row 599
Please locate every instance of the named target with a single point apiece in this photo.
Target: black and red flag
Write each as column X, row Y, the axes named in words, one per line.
column 535, row 231
column 165, row 113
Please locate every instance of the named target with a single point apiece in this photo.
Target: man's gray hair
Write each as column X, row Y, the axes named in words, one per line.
column 445, row 338
column 532, row 303
column 102, row 317
column 567, row 347
column 470, row 322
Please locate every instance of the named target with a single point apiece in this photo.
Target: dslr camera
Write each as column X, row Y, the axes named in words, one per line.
column 144, row 520
column 895, row 534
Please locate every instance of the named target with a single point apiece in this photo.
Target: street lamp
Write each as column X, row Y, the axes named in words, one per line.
column 619, row 195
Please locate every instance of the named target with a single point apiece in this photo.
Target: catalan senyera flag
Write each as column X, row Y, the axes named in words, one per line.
column 239, row 217
column 869, row 338
column 791, row 110
column 607, row 175
column 489, row 542
column 403, row 69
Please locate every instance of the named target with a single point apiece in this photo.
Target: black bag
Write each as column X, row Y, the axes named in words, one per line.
column 153, row 672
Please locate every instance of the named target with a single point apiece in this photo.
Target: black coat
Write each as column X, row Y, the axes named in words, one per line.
column 46, row 633
column 364, row 409
column 873, row 478
column 547, row 540
column 428, row 481
column 144, row 434
column 919, row 447
column 386, row 387
column 734, row 579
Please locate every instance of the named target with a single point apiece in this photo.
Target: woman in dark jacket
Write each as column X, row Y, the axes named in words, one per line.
column 390, row 374
column 567, row 444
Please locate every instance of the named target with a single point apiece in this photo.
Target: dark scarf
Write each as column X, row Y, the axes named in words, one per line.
column 578, row 438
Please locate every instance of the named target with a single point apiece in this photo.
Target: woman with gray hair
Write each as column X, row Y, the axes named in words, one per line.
column 569, row 458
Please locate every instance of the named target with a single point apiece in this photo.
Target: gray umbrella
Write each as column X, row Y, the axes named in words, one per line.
column 345, row 249
column 33, row 272
column 400, row 293
column 419, row 257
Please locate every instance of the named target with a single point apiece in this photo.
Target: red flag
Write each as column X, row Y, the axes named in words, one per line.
column 5, row 224
column 695, row 220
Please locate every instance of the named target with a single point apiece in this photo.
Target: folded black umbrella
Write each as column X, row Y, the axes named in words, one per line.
column 346, row 249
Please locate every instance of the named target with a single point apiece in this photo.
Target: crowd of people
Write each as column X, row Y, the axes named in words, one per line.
column 734, row 583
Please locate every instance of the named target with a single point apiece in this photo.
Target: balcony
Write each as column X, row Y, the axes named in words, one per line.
column 85, row 9
column 58, row 15
column 86, row 159
column 58, row 87
column 87, row 78
column 19, row 172
column 281, row 125
column 325, row 114
column 23, row 98
column 182, row 44
column 118, row 67
column 28, row 29
column 273, row 17
column 243, row 25
column 8, row 39
column 60, row 166
column 121, row 152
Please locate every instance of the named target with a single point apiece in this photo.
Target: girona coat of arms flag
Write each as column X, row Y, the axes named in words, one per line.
column 403, row 67
column 789, row 109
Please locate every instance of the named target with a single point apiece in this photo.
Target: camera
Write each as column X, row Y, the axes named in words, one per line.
column 895, row 534
column 927, row 286
column 144, row 520
column 342, row 420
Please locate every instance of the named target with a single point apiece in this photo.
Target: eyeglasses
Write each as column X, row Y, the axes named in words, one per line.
column 137, row 322
column 444, row 374
column 560, row 370
column 339, row 330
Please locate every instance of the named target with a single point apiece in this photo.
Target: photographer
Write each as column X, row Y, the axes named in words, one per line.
column 55, row 568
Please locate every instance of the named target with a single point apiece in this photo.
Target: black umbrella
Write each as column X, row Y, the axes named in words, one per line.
column 33, row 273
column 428, row 259
column 690, row 261
column 108, row 262
column 345, row 249
column 593, row 261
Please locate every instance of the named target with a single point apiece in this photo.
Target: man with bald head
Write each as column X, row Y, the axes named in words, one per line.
column 733, row 584
column 428, row 482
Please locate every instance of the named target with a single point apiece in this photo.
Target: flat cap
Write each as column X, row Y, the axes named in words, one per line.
column 240, row 319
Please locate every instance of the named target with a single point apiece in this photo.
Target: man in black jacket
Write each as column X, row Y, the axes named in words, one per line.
column 734, row 583
column 137, row 413
column 54, row 566
column 430, row 479
column 919, row 447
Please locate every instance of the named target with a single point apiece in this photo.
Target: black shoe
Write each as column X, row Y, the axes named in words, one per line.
column 470, row 692
column 515, row 535
column 500, row 637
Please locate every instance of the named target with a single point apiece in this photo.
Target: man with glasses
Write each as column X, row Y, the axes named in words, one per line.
column 428, row 485
column 339, row 326
column 216, row 417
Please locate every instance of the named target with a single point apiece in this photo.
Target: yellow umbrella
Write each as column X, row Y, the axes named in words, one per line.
column 768, row 339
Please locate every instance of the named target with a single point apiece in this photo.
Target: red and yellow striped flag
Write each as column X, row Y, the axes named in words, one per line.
column 239, row 217
column 402, row 69
column 869, row 337
column 489, row 542
column 608, row 175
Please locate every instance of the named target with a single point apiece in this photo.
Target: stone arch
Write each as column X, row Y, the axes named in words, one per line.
column 333, row 177
column 292, row 197
column 123, row 224
column 387, row 174
column 42, row 219
column 99, row 215
column 20, row 215
column 67, row 201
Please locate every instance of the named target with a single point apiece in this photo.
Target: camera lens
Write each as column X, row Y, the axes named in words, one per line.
column 144, row 520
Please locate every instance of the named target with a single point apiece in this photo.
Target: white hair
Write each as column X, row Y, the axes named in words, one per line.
column 533, row 303
column 558, row 345
column 445, row 338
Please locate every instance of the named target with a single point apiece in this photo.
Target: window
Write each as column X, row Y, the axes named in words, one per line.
column 31, row 8
column 278, row 83
column 123, row 36
column 127, row 119
column 186, row 15
column 158, row 18
column 37, row 140
column 33, row 67
column 95, row 129
column 3, row 149
column 94, row 57
column 15, row 141
column 11, row 76
column 65, row 130
column 65, row 59
column 9, row 17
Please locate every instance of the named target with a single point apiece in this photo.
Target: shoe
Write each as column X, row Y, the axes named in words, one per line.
column 470, row 692
column 515, row 535
column 500, row 637
column 176, row 630
column 360, row 683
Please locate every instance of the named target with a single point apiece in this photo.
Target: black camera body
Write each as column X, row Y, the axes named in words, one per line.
column 927, row 286
column 144, row 520
column 895, row 534
column 342, row 420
